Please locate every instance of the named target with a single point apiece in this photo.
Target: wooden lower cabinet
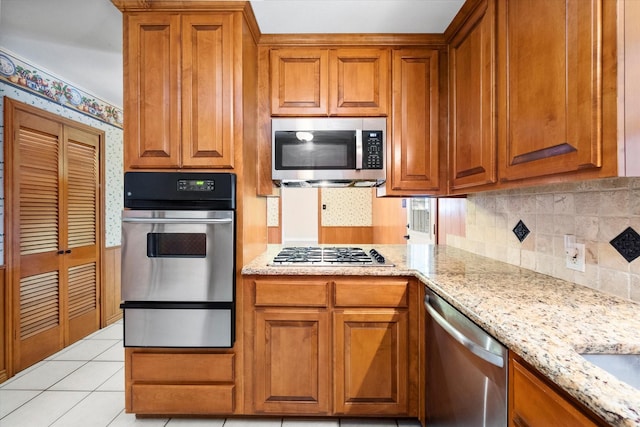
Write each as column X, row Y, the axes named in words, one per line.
column 174, row 382
column 535, row 401
column 332, row 346
column 292, row 361
column 371, row 355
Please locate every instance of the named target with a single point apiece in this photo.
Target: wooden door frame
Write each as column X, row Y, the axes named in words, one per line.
column 11, row 106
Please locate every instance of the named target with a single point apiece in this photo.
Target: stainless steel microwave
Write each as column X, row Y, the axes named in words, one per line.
column 329, row 151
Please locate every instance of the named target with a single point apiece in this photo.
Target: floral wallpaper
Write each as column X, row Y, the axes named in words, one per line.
column 113, row 154
column 346, row 207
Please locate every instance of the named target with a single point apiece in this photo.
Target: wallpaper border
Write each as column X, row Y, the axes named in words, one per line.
column 28, row 77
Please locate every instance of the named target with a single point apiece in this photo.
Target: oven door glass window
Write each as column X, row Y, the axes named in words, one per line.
column 176, row 245
column 315, row 150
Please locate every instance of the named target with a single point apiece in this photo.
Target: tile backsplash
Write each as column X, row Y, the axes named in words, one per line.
column 595, row 212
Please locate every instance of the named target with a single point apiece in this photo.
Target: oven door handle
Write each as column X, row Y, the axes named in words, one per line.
column 474, row 348
column 178, row 220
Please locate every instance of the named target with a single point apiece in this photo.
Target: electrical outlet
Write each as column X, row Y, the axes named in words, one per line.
column 577, row 262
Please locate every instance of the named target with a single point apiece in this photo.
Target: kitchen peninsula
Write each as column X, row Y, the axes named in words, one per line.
column 546, row 321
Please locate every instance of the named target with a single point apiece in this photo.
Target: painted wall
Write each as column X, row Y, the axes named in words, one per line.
column 596, row 212
column 113, row 154
column 299, row 216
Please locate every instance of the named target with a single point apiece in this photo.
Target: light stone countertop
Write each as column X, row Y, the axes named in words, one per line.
column 547, row 321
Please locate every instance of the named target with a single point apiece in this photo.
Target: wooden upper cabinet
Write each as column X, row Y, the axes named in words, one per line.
column 358, row 82
column 319, row 82
column 299, row 79
column 152, row 61
column 179, row 90
column 207, row 91
column 414, row 162
column 550, row 102
column 473, row 133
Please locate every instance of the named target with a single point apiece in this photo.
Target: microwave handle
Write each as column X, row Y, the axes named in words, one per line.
column 358, row 149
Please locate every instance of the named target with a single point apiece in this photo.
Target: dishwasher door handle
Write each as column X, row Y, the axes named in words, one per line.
column 481, row 352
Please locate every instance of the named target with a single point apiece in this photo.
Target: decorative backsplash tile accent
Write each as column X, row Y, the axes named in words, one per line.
column 521, row 231
column 28, row 77
column 627, row 244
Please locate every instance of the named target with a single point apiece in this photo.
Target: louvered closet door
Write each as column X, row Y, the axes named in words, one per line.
column 79, row 230
column 36, row 188
column 55, row 289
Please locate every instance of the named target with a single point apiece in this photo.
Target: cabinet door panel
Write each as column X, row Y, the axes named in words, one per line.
column 371, row 356
column 299, row 79
column 534, row 404
column 152, row 58
column 472, row 77
column 552, row 87
column 291, row 362
column 207, row 90
column 359, row 81
column 414, row 152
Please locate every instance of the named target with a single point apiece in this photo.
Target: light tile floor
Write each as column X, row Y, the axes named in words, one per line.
column 83, row 386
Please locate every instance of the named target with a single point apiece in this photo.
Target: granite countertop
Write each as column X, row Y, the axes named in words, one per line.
column 547, row 321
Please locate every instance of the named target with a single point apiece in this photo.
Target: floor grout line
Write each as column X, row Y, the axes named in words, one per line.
column 121, row 417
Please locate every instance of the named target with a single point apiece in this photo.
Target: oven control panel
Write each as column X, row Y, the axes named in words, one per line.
column 179, row 190
column 196, row 185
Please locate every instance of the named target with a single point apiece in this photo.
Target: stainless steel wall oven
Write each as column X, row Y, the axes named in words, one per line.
column 178, row 259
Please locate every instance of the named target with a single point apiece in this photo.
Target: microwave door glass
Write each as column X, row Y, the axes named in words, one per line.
column 315, row 150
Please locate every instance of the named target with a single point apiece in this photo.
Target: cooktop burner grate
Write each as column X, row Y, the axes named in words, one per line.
column 329, row 256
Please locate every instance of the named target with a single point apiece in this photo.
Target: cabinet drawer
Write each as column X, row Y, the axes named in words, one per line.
column 180, row 367
column 182, row 399
column 372, row 293
column 291, row 293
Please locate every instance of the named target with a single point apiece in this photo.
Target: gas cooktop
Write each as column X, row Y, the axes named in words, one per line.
column 329, row 256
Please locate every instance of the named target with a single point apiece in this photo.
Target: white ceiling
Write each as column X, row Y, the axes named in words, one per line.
column 81, row 40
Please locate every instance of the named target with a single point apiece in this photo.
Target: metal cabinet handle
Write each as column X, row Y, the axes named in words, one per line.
column 474, row 348
column 178, row 220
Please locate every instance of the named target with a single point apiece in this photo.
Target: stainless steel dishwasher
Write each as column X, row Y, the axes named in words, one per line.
column 466, row 370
